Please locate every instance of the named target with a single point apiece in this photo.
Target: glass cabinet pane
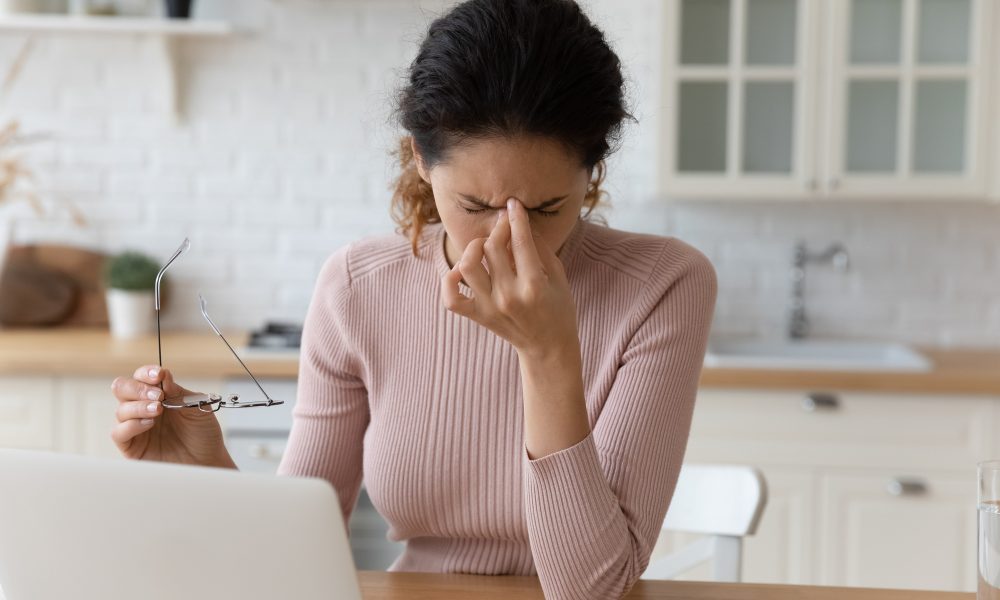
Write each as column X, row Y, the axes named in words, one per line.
column 872, row 125
column 876, row 31
column 705, row 32
column 701, row 143
column 768, row 126
column 939, row 127
column 943, row 35
column 770, row 34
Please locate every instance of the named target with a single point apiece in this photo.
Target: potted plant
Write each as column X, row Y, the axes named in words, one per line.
column 131, row 280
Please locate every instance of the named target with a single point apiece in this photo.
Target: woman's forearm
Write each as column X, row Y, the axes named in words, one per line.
column 555, row 411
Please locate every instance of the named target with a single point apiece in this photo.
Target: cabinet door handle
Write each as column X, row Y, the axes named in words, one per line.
column 903, row 487
column 263, row 452
column 820, row 401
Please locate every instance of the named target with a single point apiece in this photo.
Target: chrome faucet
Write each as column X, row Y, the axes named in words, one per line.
column 836, row 254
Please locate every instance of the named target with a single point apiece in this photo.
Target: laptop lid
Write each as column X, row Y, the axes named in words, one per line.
column 81, row 528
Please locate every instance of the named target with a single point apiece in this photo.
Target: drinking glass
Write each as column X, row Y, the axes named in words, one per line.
column 989, row 530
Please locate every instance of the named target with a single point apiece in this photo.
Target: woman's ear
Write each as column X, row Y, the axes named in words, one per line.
column 419, row 160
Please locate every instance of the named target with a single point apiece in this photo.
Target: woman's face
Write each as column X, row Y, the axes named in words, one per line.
column 480, row 175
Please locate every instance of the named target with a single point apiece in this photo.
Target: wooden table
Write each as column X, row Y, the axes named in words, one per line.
column 378, row 585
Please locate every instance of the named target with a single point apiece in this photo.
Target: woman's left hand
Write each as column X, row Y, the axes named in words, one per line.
column 524, row 297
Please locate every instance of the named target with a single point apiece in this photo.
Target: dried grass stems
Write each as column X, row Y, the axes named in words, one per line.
column 17, row 180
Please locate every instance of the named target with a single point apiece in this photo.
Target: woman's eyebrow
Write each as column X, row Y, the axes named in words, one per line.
column 484, row 204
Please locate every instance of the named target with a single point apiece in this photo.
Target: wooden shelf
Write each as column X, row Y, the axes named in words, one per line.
column 120, row 25
column 161, row 33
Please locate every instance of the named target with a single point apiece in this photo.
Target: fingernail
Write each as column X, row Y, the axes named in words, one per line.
column 154, row 372
column 510, row 205
column 153, row 394
column 151, row 407
column 146, row 422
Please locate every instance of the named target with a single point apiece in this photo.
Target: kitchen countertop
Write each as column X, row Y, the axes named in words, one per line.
column 93, row 352
column 955, row 371
column 424, row 586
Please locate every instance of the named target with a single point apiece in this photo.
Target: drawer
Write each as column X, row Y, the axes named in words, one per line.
column 257, row 453
column 272, row 418
column 27, row 412
column 841, row 429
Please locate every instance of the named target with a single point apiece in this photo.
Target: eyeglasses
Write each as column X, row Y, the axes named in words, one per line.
column 204, row 402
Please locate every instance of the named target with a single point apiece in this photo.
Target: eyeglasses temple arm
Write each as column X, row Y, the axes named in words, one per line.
column 159, row 345
column 181, row 250
column 204, row 313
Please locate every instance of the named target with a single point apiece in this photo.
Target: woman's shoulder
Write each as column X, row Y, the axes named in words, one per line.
column 646, row 271
column 643, row 256
column 358, row 259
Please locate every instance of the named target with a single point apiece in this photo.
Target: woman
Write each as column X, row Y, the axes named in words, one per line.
column 515, row 382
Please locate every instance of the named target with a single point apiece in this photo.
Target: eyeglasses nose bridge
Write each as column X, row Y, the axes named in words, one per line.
column 212, row 406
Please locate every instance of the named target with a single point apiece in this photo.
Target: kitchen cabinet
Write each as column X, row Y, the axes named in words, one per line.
column 881, row 529
column 865, row 489
column 798, row 99
column 873, row 490
column 27, row 413
column 785, row 550
column 64, row 414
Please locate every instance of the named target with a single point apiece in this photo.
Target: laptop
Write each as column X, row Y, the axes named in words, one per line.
column 81, row 528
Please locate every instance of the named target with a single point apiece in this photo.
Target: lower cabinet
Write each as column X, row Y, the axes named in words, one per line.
column 28, row 413
column 883, row 530
column 870, row 490
column 785, row 547
column 63, row 414
column 863, row 490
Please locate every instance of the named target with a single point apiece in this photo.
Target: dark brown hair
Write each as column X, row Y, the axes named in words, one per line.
column 505, row 68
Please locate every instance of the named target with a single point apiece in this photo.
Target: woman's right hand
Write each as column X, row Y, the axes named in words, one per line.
column 148, row 431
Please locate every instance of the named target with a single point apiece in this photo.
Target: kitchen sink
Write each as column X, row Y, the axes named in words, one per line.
column 821, row 355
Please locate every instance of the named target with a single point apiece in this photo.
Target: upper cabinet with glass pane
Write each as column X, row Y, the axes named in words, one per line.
column 803, row 99
column 909, row 84
column 737, row 85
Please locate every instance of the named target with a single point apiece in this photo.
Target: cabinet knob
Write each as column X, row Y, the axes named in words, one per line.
column 817, row 401
column 263, row 452
column 901, row 486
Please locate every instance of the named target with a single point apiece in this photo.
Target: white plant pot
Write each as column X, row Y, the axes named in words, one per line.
column 131, row 314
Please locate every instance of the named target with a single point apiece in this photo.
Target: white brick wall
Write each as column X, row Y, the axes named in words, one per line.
column 283, row 157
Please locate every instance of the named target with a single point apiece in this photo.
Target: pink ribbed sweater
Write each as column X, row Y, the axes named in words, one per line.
column 427, row 404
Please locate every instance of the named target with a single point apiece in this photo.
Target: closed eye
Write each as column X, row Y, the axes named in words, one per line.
column 544, row 213
column 542, row 209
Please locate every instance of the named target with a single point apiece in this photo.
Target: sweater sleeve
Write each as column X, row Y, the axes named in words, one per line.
column 330, row 415
column 594, row 510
